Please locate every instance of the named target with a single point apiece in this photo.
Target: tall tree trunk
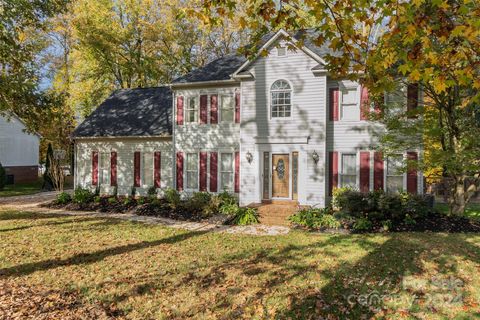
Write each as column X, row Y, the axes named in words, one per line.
column 458, row 199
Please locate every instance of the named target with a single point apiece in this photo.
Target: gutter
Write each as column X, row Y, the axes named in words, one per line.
column 201, row 83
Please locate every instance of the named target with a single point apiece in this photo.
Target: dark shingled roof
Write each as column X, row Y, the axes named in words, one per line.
column 222, row 68
column 130, row 112
column 219, row 69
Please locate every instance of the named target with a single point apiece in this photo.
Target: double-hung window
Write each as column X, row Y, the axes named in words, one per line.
column 281, row 99
column 192, row 171
column 191, row 110
column 226, row 171
column 348, row 174
column 394, row 174
column 147, row 169
column 104, row 168
column 227, row 108
column 349, row 104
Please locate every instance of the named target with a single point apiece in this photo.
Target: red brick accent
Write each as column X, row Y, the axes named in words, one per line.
column 23, row 174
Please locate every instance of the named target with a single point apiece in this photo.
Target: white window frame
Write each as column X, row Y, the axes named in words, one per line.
column 187, row 171
column 289, row 91
column 220, row 106
column 143, row 170
column 232, row 167
column 283, row 47
column 340, row 166
column 385, row 178
column 187, row 108
column 104, row 156
column 355, row 104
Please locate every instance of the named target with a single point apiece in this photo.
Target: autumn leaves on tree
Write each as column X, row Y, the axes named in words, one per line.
column 384, row 44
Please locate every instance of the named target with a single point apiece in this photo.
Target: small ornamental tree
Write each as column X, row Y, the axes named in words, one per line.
column 47, row 180
column 3, row 177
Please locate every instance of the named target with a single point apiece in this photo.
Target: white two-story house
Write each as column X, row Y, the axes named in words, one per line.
column 275, row 127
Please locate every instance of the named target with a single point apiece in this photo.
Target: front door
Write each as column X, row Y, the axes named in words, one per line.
column 280, row 176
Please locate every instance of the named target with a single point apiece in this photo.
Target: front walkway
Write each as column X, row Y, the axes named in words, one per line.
column 32, row 202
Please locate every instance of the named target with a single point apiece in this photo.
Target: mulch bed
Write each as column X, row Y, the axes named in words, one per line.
column 437, row 222
column 19, row 301
column 158, row 209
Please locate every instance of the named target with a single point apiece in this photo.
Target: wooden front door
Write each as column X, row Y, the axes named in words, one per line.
column 280, row 176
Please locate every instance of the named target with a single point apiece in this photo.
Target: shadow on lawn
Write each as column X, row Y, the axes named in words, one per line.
column 92, row 257
column 353, row 290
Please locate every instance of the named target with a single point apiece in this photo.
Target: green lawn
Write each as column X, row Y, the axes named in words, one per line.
column 21, row 189
column 155, row 272
column 472, row 211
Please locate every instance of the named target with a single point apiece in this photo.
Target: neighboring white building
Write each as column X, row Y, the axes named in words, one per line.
column 274, row 127
column 19, row 151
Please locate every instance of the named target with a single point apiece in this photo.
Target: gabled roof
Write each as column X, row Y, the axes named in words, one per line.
column 130, row 113
column 224, row 68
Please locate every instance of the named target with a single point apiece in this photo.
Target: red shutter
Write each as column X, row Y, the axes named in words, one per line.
column 136, row 169
column 364, row 171
column 213, row 171
column 203, row 108
column 214, row 108
column 412, row 178
column 179, row 171
column 94, row 168
column 365, row 106
column 180, row 110
column 378, row 171
column 412, row 98
column 157, row 167
column 237, row 107
column 333, row 104
column 237, row 172
column 203, row 171
column 113, row 169
column 333, row 171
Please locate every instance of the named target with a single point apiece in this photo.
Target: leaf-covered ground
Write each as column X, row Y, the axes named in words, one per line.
column 139, row 271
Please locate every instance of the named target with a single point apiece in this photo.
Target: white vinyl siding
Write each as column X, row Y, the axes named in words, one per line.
column 227, row 108
column 104, row 168
column 226, row 171
column 191, row 110
column 349, row 106
column 17, row 148
column 394, row 175
column 348, row 172
column 192, row 171
column 125, row 149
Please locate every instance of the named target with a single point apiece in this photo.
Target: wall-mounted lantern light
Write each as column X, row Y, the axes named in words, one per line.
column 249, row 157
column 315, row 156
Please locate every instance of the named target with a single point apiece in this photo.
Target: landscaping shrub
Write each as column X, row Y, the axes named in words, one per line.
column 227, row 198
column 229, row 209
column 353, row 202
column 213, row 206
column 198, row 201
column 378, row 206
column 172, row 197
column 152, row 192
column 112, row 200
column 362, row 225
column 3, row 177
column 246, row 216
column 63, row 198
column 82, row 196
column 315, row 218
column 387, row 225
